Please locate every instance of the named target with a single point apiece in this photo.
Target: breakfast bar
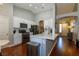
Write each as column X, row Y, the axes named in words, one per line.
column 45, row 41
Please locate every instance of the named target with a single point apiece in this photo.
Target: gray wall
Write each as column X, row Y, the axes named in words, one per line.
column 25, row 14
column 6, row 11
column 45, row 15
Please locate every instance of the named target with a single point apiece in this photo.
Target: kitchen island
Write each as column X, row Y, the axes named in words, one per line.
column 46, row 43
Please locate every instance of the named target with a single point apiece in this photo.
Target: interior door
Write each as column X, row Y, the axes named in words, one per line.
column 4, row 27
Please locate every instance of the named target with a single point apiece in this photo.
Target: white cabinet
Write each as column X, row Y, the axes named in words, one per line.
column 16, row 22
column 45, row 45
column 42, row 43
column 17, row 38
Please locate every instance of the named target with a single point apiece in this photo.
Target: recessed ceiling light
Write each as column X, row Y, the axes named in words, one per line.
column 43, row 4
column 36, row 7
column 30, row 5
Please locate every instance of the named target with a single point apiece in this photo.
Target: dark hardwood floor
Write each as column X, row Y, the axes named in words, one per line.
column 64, row 47
column 19, row 50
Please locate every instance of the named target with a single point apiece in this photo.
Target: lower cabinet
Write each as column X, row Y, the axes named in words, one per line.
column 32, row 49
column 42, row 47
column 45, row 45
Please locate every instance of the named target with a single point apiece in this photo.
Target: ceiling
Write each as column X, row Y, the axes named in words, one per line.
column 35, row 7
column 61, row 8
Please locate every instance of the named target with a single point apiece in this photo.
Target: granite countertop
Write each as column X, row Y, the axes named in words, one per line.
column 44, row 36
column 3, row 42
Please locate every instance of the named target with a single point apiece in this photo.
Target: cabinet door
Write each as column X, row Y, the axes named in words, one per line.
column 42, row 47
column 16, row 22
column 17, row 38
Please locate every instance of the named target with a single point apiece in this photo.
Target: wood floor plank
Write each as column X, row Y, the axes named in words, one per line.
column 19, row 50
column 64, row 47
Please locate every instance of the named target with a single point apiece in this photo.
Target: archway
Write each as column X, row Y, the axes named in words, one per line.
column 67, row 23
